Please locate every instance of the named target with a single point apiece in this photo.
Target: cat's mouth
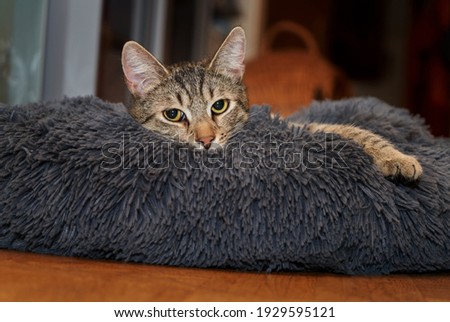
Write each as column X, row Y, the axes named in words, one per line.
column 213, row 146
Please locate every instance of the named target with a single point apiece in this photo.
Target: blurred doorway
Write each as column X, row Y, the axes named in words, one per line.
column 22, row 49
column 48, row 49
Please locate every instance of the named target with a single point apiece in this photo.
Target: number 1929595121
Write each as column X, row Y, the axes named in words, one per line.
column 295, row 312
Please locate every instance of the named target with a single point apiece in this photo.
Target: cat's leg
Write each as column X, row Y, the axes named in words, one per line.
column 386, row 157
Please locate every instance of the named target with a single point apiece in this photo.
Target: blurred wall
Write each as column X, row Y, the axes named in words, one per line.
column 73, row 35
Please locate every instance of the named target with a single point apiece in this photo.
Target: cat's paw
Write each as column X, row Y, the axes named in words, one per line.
column 400, row 166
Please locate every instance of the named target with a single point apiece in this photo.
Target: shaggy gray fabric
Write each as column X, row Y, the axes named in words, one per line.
column 80, row 177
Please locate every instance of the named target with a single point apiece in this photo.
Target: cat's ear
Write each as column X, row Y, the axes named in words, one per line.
column 229, row 58
column 141, row 69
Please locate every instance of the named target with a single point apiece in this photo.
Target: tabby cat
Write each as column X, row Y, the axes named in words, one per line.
column 204, row 103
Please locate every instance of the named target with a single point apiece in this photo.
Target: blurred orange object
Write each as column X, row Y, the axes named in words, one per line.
column 292, row 78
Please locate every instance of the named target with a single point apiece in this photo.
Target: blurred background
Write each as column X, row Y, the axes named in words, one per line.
column 398, row 51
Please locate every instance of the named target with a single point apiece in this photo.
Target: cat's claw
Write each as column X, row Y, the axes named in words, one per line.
column 400, row 166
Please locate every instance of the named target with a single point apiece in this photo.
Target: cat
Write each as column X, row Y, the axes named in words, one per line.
column 204, row 103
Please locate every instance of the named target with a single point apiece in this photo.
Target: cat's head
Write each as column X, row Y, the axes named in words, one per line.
column 200, row 103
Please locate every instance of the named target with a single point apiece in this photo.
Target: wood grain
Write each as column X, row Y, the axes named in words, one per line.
column 35, row 277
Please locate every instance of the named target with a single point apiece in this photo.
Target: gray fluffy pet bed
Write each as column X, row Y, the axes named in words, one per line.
column 80, row 177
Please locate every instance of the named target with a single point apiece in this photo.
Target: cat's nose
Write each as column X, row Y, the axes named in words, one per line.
column 206, row 141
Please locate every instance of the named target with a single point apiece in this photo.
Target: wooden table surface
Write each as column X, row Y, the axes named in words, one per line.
column 35, row 277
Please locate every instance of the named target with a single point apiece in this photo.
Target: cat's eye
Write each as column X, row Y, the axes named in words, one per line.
column 174, row 115
column 220, row 106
